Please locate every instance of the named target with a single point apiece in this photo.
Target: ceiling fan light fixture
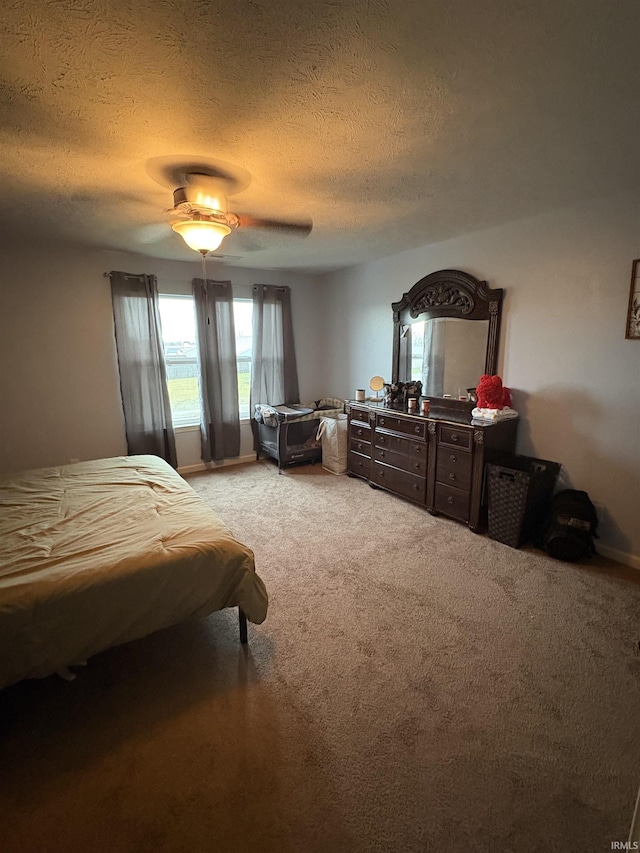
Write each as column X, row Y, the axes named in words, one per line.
column 204, row 199
column 201, row 235
column 201, row 217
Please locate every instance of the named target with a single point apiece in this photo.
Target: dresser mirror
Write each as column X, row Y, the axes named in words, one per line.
column 446, row 331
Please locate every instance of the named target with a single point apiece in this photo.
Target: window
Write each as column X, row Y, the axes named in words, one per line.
column 243, row 320
column 177, row 314
column 181, row 358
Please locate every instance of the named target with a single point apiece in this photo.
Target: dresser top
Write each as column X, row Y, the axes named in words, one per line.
column 461, row 414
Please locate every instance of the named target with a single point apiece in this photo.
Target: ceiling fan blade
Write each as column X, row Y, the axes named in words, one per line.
column 173, row 171
column 300, row 229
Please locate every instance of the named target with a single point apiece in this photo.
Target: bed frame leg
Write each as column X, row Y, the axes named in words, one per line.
column 243, row 627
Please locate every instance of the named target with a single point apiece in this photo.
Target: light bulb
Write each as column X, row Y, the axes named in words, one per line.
column 202, row 236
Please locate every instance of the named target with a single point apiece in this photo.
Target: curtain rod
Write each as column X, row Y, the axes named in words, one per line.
column 126, row 275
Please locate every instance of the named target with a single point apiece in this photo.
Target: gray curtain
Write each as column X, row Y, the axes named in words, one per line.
column 220, row 424
column 274, row 375
column 143, row 378
column 433, row 357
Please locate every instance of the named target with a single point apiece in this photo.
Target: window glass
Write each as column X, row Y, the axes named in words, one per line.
column 243, row 319
column 177, row 315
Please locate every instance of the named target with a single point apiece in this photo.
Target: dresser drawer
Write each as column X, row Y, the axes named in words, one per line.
column 389, row 441
column 417, row 450
column 454, row 468
column 400, row 444
column 455, row 437
column 359, row 446
column 406, row 426
column 360, row 430
column 359, row 465
column 401, row 482
column 413, row 464
column 358, row 414
column 452, row 501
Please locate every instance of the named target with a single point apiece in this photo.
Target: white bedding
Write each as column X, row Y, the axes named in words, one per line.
column 99, row 553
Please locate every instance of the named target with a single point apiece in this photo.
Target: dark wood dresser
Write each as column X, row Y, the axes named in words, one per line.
column 436, row 461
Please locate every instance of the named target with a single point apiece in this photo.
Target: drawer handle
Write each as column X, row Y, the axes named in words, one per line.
column 359, row 432
column 418, row 449
column 454, row 437
column 453, row 458
column 359, row 445
column 415, row 486
column 452, row 476
column 449, row 500
column 417, row 429
column 381, row 421
column 381, row 473
column 382, row 455
column 417, row 466
column 382, row 439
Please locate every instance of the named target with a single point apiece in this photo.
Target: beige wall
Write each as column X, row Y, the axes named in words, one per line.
column 59, row 385
column 59, row 388
column 576, row 380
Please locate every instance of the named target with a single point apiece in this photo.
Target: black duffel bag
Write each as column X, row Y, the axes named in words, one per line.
column 570, row 527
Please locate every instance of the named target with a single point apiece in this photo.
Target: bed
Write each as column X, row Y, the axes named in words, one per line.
column 99, row 553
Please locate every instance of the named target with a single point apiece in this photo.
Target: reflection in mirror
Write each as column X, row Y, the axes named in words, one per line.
column 446, row 354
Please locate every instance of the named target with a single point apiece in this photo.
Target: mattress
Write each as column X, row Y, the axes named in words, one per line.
column 99, row 553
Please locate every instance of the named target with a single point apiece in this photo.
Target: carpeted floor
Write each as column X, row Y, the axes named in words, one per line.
column 415, row 688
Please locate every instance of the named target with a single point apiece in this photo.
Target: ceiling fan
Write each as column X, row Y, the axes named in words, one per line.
column 200, row 212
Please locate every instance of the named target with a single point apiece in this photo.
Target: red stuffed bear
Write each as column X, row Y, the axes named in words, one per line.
column 491, row 393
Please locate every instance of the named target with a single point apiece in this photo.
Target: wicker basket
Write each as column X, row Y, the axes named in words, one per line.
column 518, row 497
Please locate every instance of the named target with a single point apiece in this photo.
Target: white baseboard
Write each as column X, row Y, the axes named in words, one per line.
column 212, row 466
column 621, row 556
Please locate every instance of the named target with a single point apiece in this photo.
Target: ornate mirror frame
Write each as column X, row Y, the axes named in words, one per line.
column 450, row 293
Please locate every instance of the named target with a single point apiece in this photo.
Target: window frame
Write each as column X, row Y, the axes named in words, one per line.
column 181, row 424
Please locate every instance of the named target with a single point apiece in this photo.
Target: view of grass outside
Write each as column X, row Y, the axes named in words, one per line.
column 184, row 392
column 243, row 321
column 244, row 388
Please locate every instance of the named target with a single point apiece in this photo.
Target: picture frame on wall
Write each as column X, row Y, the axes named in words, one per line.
column 633, row 314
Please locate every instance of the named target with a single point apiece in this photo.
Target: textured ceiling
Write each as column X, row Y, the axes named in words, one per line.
column 391, row 123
